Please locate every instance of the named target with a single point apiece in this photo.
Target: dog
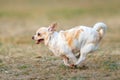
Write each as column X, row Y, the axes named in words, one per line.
column 66, row 44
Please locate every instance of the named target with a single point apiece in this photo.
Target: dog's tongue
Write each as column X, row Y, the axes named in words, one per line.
column 40, row 40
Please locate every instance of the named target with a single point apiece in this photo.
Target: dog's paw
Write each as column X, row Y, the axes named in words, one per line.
column 73, row 66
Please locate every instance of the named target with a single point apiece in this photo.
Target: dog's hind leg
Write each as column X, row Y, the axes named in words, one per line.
column 84, row 51
column 77, row 55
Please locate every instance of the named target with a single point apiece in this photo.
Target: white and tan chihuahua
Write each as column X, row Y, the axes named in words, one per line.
column 66, row 44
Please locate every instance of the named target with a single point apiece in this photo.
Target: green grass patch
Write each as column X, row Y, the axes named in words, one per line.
column 1, row 44
column 22, row 67
column 3, row 67
column 111, row 65
column 63, row 67
column 78, row 78
column 1, row 61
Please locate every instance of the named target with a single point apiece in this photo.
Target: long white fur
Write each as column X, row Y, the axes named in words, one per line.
column 87, row 42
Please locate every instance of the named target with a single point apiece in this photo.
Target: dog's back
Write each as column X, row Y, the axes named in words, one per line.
column 80, row 36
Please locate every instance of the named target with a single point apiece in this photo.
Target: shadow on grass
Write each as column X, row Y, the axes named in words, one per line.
column 84, row 67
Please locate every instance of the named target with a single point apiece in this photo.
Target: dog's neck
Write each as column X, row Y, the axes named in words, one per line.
column 51, row 38
column 53, row 43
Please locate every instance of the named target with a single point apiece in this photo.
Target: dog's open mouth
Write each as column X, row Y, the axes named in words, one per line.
column 40, row 40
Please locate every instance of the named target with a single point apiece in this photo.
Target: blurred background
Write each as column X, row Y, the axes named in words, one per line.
column 19, row 19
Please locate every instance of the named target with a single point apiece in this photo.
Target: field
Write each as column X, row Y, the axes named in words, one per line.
column 22, row 59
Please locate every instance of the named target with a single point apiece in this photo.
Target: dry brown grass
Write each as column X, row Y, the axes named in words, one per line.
column 19, row 19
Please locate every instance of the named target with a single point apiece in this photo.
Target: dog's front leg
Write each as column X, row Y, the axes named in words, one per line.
column 65, row 60
column 73, row 57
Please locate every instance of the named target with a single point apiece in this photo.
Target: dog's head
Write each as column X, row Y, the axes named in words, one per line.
column 43, row 33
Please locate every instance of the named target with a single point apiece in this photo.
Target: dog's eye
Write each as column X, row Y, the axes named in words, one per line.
column 39, row 34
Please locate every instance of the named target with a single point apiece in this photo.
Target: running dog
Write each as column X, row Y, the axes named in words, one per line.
column 66, row 44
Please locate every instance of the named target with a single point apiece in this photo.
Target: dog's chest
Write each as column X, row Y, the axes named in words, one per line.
column 56, row 44
column 57, row 48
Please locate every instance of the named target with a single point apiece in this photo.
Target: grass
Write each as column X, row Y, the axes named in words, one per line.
column 111, row 65
column 22, row 59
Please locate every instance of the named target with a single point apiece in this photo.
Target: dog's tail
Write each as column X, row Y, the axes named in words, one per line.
column 101, row 28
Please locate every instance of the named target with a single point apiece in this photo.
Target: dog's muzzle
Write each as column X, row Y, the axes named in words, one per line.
column 38, row 41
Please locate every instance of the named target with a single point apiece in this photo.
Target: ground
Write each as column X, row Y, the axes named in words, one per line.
column 22, row 59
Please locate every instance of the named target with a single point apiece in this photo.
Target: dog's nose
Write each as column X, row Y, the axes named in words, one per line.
column 33, row 37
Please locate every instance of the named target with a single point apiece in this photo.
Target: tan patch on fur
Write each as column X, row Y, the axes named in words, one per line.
column 77, row 33
column 44, row 33
column 100, row 36
column 70, row 41
column 99, row 29
column 70, row 36
column 46, row 37
column 64, row 57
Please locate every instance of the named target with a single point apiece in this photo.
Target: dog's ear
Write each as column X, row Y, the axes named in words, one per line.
column 52, row 27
